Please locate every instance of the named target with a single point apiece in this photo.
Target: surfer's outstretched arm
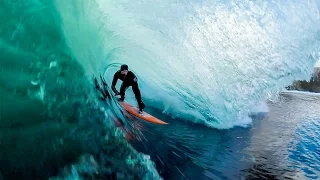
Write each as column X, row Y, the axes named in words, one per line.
column 114, row 82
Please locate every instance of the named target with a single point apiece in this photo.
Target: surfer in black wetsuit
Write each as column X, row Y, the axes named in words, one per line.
column 128, row 79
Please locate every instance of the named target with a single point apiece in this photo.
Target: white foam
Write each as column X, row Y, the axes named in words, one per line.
column 261, row 107
column 300, row 92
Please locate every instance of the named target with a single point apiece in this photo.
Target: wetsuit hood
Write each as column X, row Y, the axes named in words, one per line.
column 124, row 67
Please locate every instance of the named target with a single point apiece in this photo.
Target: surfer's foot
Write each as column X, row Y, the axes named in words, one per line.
column 121, row 99
column 141, row 106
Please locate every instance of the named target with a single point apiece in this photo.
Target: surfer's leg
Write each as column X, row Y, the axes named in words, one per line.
column 122, row 91
column 136, row 91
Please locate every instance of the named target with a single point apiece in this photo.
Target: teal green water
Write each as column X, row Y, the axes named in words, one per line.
column 49, row 116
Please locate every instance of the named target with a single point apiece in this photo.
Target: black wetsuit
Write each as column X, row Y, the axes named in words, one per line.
column 127, row 80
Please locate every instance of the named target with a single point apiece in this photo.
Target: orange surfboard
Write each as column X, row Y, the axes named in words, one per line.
column 145, row 116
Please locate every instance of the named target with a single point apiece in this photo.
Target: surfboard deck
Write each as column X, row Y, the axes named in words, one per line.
column 144, row 116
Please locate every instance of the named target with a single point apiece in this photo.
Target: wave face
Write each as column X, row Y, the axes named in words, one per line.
column 209, row 62
column 52, row 124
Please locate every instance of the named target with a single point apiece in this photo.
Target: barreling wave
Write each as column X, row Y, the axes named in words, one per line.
column 208, row 62
column 52, row 124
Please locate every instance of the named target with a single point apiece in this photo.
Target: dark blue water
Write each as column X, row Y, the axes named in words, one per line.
column 280, row 144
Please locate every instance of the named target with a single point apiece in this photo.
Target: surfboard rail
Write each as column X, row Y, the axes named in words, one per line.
column 144, row 116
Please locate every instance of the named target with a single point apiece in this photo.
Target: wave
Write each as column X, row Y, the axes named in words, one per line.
column 207, row 62
column 52, row 124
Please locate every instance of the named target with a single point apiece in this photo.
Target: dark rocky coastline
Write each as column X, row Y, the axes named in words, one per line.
column 313, row 85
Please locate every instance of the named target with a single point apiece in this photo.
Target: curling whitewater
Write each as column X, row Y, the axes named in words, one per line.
column 52, row 124
column 201, row 61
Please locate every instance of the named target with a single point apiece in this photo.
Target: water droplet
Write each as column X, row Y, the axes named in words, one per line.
column 35, row 82
column 53, row 64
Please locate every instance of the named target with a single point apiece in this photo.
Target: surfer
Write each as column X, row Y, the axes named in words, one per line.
column 128, row 79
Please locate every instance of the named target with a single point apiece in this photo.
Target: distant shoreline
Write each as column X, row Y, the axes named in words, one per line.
column 313, row 85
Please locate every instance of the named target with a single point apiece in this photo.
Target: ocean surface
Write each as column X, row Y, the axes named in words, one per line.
column 214, row 70
column 281, row 143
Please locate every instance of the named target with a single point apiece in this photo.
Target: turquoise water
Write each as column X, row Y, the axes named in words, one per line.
column 203, row 62
column 50, row 117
